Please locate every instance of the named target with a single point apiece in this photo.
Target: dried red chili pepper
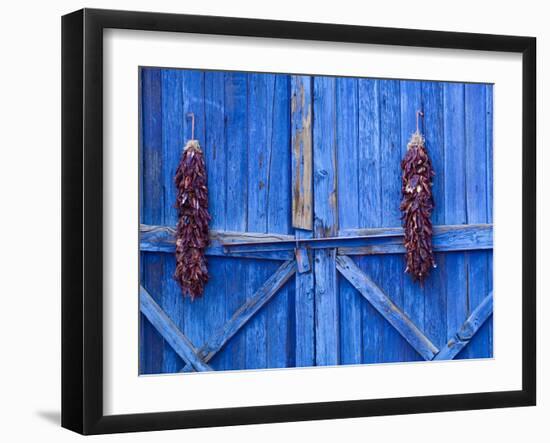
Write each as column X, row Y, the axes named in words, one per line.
column 417, row 206
column 192, row 228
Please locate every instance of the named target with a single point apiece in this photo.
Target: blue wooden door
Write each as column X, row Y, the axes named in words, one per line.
column 306, row 260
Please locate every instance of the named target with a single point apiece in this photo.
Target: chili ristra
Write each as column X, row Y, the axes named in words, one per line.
column 417, row 205
column 192, row 229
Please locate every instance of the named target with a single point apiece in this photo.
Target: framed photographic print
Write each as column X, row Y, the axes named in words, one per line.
column 270, row 221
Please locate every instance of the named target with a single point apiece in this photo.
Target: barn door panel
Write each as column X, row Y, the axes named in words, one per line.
column 458, row 292
column 243, row 123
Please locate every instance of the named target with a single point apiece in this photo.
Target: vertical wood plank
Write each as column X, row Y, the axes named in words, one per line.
column 302, row 154
column 489, row 151
column 152, row 210
column 236, row 125
column 171, row 299
column 280, row 311
column 455, row 202
column 347, row 127
column 301, row 136
column 392, row 266
column 476, row 190
column 435, row 312
column 325, row 221
column 370, row 205
column 413, row 294
column 193, row 313
column 260, row 120
column 215, row 156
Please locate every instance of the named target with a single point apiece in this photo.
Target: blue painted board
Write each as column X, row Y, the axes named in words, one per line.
column 327, row 319
column 236, row 141
column 215, row 152
column 151, row 211
column 369, row 197
column 347, row 141
column 414, row 295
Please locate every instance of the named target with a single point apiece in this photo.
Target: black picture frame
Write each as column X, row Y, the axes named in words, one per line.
column 82, row 215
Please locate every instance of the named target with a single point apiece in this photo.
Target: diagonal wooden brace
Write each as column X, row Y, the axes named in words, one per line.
column 169, row 331
column 468, row 329
column 245, row 313
column 382, row 303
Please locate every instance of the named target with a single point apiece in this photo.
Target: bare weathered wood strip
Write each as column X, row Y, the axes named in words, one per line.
column 467, row 331
column 380, row 301
column 302, row 153
column 169, row 331
column 246, row 312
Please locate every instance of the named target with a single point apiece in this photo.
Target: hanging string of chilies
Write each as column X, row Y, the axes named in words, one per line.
column 417, row 206
column 192, row 229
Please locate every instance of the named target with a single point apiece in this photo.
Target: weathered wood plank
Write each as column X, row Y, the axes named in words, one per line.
column 151, row 210
column 325, row 221
column 301, row 132
column 236, row 142
column 386, row 307
column 302, row 260
column 455, row 202
column 215, row 155
column 259, row 132
column 435, row 310
column 156, row 238
column 302, row 153
column 280, row 311
column 241, row 317
column 347, row 140
column 170, row 297
column 489, row 187
column 352, row 241
column 382, row 241
column 468, row 330
column 414, row 295
column 193, row 313
column 169, row 331
column 370, row 206
column 392, row 266
column 476, row 205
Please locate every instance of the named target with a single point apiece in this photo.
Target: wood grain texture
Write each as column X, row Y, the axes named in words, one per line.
column 152, row 210
column 327, row 346
column 414, row 295
column 468, row 330
column 347, row 142
column 302, row 152
column 245, row 313
column 302, row 138
column 382, row 303
column 169, row 331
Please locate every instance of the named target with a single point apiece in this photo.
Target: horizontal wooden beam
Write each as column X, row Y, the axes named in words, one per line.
column 467, row 330
column 169, row 331
column 446, row 238
column 382, row 303
column 246, row 312
column 376, row 241
column 155, row 238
